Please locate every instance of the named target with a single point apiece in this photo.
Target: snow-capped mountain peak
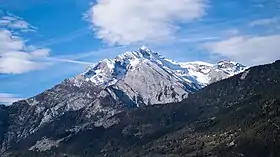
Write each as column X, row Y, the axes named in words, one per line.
column 230, row 67
column 109, row 70
column 146, row 77
column 197, row 74
column 145, row 48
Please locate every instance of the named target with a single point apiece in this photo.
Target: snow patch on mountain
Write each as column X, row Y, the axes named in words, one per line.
column 207, row 73
column 231, row 67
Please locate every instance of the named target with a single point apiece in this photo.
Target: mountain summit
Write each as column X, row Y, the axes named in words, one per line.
column 145, row 77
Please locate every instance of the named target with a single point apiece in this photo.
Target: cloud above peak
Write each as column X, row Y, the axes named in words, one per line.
column 249, row 50
column 125, row 22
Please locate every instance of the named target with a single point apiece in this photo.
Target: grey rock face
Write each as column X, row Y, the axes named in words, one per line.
column 141, row 78
column 149, row 84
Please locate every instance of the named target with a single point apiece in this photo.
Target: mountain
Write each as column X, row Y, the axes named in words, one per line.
column 91, row 100
column 235, row 117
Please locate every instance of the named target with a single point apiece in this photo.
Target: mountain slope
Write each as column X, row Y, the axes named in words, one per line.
column 235, row 117
column 131, row 79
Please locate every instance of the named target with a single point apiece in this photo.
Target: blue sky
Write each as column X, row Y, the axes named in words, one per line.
column 43, row 42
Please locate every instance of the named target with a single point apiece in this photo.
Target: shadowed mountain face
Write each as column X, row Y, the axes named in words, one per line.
column 113, row 109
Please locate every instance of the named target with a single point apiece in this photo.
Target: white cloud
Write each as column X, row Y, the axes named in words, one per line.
column 264, row 22
column 252, row 50
column 16, row 57
column 129, row 21
column 6, row 98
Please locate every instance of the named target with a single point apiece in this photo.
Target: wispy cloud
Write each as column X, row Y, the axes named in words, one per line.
column 65, row 60
column 87, row 58
column 264, row 22
column 14, row 22
column 65, row 38
column 126, row 22
column 7, row 98
column 231, row 32
column 198, row 39
column 97, row 54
